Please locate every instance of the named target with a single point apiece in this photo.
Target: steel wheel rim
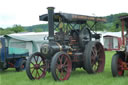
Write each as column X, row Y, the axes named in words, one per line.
column 37, row 67
column 97, row 58
column 119, row 67
column 63, row 67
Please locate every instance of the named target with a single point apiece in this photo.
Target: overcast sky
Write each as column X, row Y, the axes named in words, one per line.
column 26, row 12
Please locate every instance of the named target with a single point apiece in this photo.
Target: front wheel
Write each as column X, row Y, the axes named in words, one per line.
column 116, row 65
column 61, row 66
column 36, row 66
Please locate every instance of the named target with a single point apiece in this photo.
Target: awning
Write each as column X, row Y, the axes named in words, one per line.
column 70, row 18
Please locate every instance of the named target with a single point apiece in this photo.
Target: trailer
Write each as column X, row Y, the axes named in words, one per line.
column 11, row 57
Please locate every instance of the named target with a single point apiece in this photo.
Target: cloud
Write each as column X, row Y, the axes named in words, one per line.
column 26, row 12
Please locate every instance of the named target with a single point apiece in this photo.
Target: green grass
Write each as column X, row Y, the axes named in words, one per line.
column 78, row 77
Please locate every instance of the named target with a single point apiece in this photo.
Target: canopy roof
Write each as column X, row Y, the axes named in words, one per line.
column 124, row 17
column 70, row 18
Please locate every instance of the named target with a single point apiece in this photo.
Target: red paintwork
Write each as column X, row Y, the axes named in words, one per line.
column 120, row 67
column 11, row 65
column 122, row 21
column 64, row 68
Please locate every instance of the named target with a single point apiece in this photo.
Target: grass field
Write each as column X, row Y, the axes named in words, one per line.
column 78, row 77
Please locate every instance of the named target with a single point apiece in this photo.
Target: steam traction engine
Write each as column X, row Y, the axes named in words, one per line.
column 120, row 59
column 70, row 47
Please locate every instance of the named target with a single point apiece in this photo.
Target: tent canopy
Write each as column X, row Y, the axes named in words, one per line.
column 29, row 41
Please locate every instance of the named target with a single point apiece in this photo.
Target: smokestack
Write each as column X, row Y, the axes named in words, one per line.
column 51, row 23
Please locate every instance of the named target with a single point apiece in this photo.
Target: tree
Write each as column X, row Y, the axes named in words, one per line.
column 10, row 30
column 17, row 28
column 99, row 26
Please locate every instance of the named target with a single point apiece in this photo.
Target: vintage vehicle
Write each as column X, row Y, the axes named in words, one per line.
column 11, row 57
column 70, row 46
column 120, row 59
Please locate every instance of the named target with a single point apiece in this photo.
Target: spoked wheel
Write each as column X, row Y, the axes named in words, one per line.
column 117, row 65
column 61, row 66
column 36, row 66
column 94, row 57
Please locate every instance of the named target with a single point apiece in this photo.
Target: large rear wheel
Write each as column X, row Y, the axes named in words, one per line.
column 36, row 66
column 61, row 66
column 94, row 57
column 117, row 65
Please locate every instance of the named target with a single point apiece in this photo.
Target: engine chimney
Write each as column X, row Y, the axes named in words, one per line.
column 51, row 23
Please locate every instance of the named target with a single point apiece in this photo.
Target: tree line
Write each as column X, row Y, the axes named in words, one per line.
column 111, row 26
column 10, row 30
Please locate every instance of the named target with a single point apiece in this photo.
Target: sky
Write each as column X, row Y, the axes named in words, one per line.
column 26, row 12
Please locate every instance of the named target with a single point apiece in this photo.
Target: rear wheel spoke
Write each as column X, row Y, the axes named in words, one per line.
column 58, row 67
column 60, row 59
column 62, row 74
column 65, row 61
column 94, row 51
